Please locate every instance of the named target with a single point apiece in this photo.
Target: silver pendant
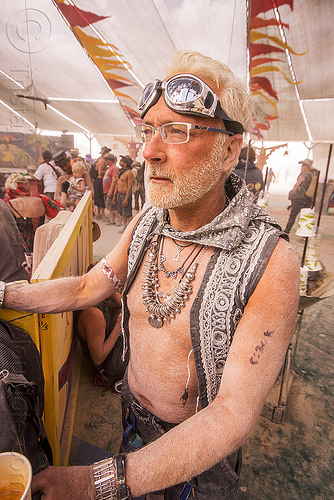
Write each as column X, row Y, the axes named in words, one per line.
column 155, row 321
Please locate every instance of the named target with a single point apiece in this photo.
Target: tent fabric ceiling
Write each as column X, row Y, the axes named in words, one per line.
column 146, row 33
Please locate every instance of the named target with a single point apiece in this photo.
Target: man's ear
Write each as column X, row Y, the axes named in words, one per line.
column 234, row 145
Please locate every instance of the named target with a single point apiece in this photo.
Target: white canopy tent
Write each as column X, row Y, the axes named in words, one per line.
column 39, row 48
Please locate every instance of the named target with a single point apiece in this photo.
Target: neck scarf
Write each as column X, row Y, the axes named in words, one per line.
column 122, row 170
column 227, row 229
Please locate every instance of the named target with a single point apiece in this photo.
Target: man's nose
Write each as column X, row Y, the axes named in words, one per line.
column 155, row 149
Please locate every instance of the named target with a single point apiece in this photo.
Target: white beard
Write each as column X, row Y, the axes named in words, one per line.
column 190, row 185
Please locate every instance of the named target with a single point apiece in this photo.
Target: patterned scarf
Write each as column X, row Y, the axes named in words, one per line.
column 226, row 230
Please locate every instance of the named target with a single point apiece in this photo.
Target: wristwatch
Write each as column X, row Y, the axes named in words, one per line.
column 2, row 292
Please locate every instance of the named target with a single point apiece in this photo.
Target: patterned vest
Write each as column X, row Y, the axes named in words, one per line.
column 229, row 280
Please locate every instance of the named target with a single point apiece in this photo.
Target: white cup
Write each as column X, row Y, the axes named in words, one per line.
column 303, row 280
column 306, row 223
column 15, row 476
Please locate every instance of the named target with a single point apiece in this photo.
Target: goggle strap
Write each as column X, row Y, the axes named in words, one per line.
column 231, row 125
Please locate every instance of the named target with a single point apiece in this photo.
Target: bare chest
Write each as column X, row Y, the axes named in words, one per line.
column 161, row 362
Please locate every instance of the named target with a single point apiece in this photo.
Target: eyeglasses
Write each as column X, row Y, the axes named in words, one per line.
column 187, row 94
column 172, row 133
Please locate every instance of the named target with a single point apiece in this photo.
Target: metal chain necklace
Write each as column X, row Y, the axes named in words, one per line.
column 161, row 259
column 160, row 312
column 179, row 249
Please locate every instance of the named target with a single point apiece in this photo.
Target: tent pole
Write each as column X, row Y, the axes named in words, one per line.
column 325, row 184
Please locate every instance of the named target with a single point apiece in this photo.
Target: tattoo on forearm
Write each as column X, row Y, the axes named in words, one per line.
column 254, row 360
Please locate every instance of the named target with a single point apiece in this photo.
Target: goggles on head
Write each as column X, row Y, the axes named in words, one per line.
column 187, row 94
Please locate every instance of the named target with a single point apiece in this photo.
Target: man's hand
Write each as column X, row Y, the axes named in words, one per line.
column 125, row 202
column 67, row 483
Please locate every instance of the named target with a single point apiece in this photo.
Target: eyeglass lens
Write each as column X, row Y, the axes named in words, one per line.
column 171, row 133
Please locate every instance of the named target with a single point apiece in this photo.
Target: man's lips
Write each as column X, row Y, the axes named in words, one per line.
column 157, row 178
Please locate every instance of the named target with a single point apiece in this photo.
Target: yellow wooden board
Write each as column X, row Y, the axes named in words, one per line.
column 70, row 255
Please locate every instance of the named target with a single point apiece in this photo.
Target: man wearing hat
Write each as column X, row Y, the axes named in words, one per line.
column 302, row 193
column 123, row 190
column 98, row 183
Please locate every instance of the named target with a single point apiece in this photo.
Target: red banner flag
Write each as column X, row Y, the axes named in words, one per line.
column 255, row 49
column 259, row 6
column 78, row 17
column 262, row 82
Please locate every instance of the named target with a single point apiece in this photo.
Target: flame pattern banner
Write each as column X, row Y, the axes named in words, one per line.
column 106, row 56
column 262, row 65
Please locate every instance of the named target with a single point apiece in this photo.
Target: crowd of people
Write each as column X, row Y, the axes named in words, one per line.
column 62, row 180
column 209, row 286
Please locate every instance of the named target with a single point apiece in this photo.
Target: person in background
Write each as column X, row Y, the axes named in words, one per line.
column 210, row 293
column 270, row 178
column 138, row 187
column 63, row 160
column 249, row 172
column 98, row 184
column 100, row 335
column 301, row 195
column 75, row 156
column 29, row 211
column 75, row 187
column 48, row 173
column 109, row 184
column 13, row 265
column 123, row 190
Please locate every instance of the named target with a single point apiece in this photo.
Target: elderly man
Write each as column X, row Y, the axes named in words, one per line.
column 209, row 301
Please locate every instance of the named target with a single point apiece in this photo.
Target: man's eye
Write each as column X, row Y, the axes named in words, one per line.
column 146, row 131
column 176, row 131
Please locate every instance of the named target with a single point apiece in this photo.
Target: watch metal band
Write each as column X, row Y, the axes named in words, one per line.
column 109, row 479
column 105, row 480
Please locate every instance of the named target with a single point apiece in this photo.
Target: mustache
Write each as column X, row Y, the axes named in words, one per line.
column 155, row 170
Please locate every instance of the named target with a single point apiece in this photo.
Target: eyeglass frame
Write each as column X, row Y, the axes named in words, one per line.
column 206, row 104
column 190, row 126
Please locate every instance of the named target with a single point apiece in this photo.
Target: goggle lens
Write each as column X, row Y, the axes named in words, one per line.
column 147, row 92
column 183, row 90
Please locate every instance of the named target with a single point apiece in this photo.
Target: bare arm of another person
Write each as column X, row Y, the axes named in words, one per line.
column 130, row 180
column 112, row 188
column 91, row 326
column 100, row 167
column 69, row 294
column 255, row 358
column 88, row 181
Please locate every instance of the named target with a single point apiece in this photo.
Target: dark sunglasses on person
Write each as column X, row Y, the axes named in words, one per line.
column 187, row 94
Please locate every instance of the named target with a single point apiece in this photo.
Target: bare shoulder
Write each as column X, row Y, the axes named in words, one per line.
column 284, row 261
column 277, row 293
column 119, row 254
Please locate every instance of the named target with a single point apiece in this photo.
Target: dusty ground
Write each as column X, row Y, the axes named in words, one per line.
column 289, row 461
